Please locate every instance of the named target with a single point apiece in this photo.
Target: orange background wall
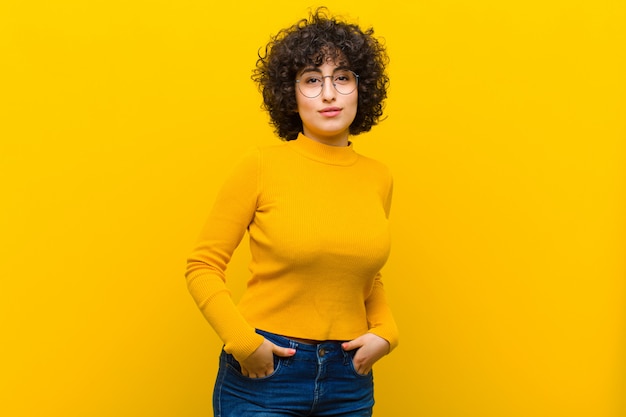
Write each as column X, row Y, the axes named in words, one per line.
column 506, row 133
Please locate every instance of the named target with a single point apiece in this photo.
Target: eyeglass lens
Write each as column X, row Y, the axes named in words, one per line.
column 312, row 82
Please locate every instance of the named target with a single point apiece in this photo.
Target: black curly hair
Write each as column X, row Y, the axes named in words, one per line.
column 311, row 42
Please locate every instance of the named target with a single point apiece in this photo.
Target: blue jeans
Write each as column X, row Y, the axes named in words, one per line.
column 318, row 381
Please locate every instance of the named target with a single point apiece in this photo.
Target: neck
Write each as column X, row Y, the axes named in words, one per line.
column 320, row 152
column 340, row 139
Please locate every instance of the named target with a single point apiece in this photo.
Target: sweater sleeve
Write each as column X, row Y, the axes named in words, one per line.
column 226, row 225
column 379, row 317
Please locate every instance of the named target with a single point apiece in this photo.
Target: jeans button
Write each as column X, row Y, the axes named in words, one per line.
column 322, row 352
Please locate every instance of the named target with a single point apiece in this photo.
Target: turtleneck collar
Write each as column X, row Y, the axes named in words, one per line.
column 327, row 154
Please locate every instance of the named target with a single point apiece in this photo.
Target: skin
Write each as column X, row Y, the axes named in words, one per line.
column 318, row 125
column 331, row 130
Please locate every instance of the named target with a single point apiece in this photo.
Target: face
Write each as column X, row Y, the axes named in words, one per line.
column 327, row 117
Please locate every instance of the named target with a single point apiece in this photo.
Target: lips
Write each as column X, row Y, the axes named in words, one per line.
column 330, row 111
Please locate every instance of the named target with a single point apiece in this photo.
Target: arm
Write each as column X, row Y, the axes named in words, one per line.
column 379, row 317
column 232, row 212
column 382, row 336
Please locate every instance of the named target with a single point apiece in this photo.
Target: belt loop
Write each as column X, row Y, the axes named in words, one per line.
column 288, row 360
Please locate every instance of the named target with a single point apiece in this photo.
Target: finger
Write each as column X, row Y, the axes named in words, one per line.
column 283, row 352
column 361, row 370
column 361, row 365
column 352, row 344
column 250, row 374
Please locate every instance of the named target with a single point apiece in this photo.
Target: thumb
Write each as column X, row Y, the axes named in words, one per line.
column 352, row 344
column 283, row 352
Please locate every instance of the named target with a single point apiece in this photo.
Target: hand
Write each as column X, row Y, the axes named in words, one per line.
column 261, row 362
column 370, row 349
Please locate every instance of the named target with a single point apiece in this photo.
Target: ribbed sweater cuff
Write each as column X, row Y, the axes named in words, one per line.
column 239, row 337
column 244, row 345
column 390, row 335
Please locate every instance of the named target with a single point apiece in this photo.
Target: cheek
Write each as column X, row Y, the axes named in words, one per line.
column 300, row 104
column 355, row 104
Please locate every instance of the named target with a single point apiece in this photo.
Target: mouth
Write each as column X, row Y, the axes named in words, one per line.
column 330, row 111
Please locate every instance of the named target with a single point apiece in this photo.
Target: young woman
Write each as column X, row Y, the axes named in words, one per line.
column 314, row 318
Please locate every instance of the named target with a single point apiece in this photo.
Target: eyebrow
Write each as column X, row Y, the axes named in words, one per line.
column 317, row 69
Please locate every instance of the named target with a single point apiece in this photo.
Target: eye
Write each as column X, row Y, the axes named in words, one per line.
column 343, row 77
column 311, row 79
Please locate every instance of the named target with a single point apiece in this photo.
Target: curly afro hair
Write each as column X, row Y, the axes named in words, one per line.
column 311, row 42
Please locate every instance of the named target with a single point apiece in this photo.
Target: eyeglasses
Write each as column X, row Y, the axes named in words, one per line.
column 311, row 83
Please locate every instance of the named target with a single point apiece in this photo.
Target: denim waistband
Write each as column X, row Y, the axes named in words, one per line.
column 284, row 341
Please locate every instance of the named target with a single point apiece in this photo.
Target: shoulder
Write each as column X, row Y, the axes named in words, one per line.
column 255, row 154
column 374, row 165
column 261, row 152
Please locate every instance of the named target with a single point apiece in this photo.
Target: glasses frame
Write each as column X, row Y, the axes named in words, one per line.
column 356, row 76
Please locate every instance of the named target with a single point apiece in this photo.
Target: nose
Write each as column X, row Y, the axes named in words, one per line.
column 328, row 89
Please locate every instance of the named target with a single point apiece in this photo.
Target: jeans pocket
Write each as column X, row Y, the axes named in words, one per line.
column 231, row 364
column 353, row 368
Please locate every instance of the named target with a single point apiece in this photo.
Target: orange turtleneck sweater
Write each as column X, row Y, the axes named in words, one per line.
column 317, row 218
